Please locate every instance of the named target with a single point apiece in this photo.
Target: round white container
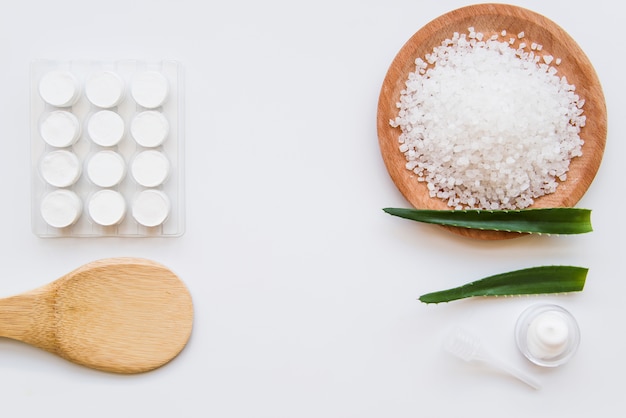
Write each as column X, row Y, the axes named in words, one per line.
column 61, row 208
column 149, row 129
column 107, row 207
column 150, row 89
column 106, row 168
column 104, row 89
column 105, row 128
column 60, row 129
column 60, row 168
column 547, row 334
column 59, row 88
column 150, row 168
column 151, row 208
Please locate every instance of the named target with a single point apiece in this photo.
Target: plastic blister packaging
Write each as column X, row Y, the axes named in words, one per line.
column 107, row 148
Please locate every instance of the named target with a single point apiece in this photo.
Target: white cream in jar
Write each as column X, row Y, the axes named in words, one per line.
column 548, row 335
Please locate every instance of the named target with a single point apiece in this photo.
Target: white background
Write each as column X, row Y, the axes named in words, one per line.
column 305, row 292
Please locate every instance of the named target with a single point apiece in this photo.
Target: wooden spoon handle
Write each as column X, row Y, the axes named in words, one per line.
column 29, row 317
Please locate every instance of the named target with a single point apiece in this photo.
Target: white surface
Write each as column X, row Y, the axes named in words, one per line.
column 305, row 292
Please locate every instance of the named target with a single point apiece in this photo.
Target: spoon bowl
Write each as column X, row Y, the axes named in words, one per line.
column 491, row 19
column 122, row 315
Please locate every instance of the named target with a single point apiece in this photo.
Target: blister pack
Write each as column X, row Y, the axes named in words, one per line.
column 107, row 152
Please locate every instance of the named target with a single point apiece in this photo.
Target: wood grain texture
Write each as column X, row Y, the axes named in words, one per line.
column 122, row 315
column 492, row 19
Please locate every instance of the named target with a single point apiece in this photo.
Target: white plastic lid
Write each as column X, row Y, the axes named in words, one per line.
column 107, row 207
column 104, row 89
column 151, row 208
column 150, row 89
column 150, row 168
column 61, row 208
column 149, row 128
column 106, row 128
column 106, row 168
column 59, row 88
column 60, row 129
column 60, row 168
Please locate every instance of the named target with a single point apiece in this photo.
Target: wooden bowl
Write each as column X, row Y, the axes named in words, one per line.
column 492, row 19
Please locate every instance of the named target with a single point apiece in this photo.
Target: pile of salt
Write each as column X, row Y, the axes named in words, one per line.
column 487, row 124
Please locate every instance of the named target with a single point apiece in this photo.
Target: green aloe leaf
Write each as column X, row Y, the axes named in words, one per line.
column 534, row 280
column 534, row 221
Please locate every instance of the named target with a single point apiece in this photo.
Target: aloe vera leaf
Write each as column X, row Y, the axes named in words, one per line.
column 534, row 280
column 535, row 221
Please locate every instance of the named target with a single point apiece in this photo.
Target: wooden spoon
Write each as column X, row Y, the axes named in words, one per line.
column 122, row 315
column 491, row 19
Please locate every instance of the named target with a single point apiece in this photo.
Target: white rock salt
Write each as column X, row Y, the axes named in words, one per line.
column 486, row 126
